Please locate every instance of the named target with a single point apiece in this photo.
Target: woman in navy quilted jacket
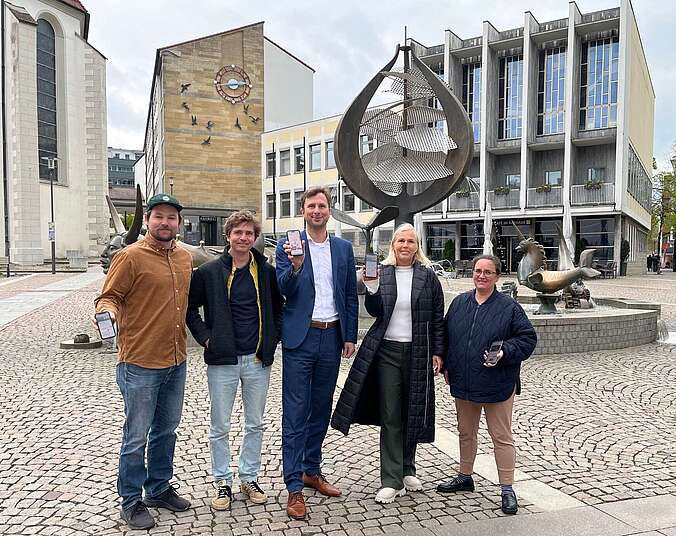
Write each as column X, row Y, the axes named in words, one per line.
column 474, row 321
column 391, row 382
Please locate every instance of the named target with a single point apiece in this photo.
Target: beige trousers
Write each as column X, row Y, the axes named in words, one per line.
column 499, row 421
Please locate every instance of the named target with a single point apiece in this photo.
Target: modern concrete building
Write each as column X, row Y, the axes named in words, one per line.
column 210, row 101
column 55, row 111
column 563, row 116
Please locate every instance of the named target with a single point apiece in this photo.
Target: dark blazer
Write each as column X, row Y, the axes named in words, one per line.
column 359, row 401
column 208, row 288
column 471, row 328
column 299, row 291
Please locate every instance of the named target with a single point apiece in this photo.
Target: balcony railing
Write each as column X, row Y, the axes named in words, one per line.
column 554, row 25
column 544, row 198
column 472, row 42
column 511, row 34
column 597, row 194
column 503, row 200
column 604, row 14
column 463, row 203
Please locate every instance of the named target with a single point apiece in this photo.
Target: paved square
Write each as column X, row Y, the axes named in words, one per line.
column 595, row 428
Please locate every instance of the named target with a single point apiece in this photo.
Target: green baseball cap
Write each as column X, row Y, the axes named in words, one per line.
column 164, row 199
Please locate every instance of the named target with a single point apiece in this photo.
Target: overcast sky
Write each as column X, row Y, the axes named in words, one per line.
column 346, row 42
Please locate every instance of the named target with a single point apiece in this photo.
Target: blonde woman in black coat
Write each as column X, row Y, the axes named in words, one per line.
column 391, row 382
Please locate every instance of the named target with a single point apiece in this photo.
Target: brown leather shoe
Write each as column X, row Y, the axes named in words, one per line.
column 322, row 485
column 295, row 505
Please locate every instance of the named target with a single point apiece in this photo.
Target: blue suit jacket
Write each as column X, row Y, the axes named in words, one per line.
column 299, row 291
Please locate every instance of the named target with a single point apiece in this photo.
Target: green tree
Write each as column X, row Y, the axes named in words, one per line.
column 663, row 206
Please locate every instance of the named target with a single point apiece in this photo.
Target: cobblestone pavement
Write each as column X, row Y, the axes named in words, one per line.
column 595, row 426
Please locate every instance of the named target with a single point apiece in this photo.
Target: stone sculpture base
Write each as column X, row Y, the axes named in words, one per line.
column 547, row 304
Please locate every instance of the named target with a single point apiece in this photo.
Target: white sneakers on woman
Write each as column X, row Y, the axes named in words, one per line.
column 387, row 495
column 412, row 483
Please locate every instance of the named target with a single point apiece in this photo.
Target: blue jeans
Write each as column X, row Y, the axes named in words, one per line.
column 309, row 375
column 153, row 402
column 223, row 382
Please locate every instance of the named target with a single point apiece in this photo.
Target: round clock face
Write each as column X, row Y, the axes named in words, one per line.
column 233, row 84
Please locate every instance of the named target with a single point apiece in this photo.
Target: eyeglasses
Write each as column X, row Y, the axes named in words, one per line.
column 487, row 273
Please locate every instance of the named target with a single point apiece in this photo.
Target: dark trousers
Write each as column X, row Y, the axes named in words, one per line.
column 309, row 375
column 153, row 402
column 397, row 460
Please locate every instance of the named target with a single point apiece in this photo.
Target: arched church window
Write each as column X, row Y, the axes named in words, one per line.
column 46, row 85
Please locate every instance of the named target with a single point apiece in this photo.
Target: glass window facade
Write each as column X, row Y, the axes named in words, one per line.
column 270, row 165
column 348, row 200
column 471, row 96
column 551, row 91
column 598, row 83
column 366, row 144
column 270, row 205
column 297, row 195
column 548, row 235
column 510, row 87
column 471, row 240
column 285, row 204
column 513, row 181
column 299, row 159
column 437, row 236
column 640, row 185
column 46, row 86
column 366, row 207
column 553, row 178
column 285, row 162
column 330, row 161
column 315, row 157
column 596, row 233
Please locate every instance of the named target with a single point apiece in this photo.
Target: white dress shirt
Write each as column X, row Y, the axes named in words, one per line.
column 320, row 256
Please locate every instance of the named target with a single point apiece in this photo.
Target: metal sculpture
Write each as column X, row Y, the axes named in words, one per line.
column 123, row 238
column 414, row 165
column 385, row 215
column 532, row 273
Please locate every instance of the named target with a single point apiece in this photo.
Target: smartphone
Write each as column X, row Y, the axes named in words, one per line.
column 371, row 265
column 295, row 242
column 106, row 325
column 492, row 357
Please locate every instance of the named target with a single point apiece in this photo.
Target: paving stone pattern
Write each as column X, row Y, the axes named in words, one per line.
column 596, row 426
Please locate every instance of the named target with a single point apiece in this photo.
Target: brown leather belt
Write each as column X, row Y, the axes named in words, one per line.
column 324, row 325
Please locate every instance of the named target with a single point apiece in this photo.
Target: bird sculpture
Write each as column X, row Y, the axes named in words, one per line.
column 207, row 141
column 210, row 125
column 184, row 88
column 185, row 105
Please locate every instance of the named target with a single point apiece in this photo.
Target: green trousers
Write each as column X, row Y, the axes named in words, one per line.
column 394, row 368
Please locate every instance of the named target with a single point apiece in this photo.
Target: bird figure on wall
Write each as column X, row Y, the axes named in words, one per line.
column 207, row 141
column 246, row 109
column 210, row 125
column 237, row 123
column 184, row 88
column 193, row 119
column 254, row 120
column 185, row 105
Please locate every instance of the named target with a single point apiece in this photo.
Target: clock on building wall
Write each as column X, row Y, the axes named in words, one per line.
column 233, row 84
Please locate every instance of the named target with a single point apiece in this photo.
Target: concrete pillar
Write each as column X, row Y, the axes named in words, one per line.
column 528, row 102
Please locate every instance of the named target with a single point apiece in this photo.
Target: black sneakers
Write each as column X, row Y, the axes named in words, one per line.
column 169, row 500
column 457, row 483
column 137, row 517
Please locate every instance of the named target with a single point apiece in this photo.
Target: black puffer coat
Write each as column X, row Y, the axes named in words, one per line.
column 359, row 400
column 471, row 328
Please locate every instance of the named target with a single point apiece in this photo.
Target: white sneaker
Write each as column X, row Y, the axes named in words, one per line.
column 387, row 495
column 412, row 483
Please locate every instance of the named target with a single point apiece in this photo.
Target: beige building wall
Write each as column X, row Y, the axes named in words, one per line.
column 221, row 174
column 640, row 125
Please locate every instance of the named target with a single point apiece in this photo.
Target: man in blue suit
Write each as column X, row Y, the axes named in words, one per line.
column 319, row 325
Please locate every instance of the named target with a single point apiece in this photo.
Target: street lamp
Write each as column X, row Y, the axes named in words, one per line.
column 51, row 165
column 171, row 186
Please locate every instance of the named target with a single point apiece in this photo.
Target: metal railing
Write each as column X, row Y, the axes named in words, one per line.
column 507, row 200
column 511, row 34
column 554, row 25
column 463, row 203
column 604, row 14
column 472, row 42
column 601, row 194
column 543, row 198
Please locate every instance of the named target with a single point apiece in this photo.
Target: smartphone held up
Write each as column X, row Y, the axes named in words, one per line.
column 493, row 351
column 371, row 265
column 294, row 239
column 106, row 325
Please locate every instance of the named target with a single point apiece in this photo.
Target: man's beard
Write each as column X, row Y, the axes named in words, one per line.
column 159, row 238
